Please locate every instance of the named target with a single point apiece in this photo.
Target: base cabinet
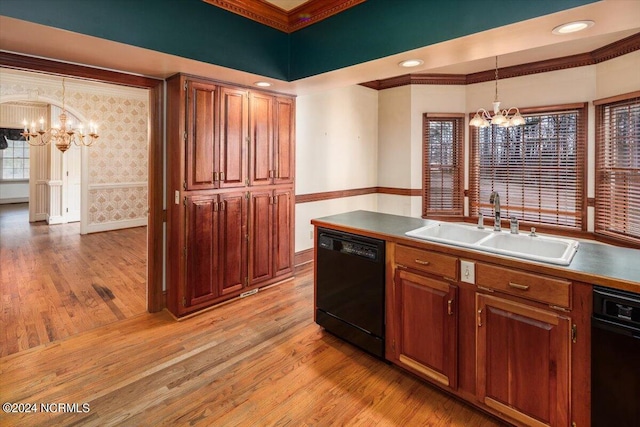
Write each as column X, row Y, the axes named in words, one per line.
column 523, row 356
column 271, row 254
column 215, row 222
column 506, row 343
column 427, row 340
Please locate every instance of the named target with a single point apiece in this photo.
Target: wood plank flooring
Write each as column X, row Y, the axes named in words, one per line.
column 257, row 361
column 55, row 283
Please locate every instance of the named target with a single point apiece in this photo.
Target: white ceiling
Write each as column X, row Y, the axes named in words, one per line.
column 523, row 42
column 286, row 4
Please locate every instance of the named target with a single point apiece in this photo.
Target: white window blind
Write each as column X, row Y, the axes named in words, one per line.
column 443, row 165
column 538, row 169
column 617, row 210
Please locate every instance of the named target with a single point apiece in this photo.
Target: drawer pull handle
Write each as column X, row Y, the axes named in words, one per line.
column 421, row 262
column 449, row 307
column 479, row 317
column 518, row 286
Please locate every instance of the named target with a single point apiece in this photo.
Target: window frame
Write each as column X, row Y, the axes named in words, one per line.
column 457, row 209
column 601, row 208
column 26, row 160
column 581, row 168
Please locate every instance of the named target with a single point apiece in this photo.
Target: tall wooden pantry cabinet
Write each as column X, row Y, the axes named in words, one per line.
column 230, row 193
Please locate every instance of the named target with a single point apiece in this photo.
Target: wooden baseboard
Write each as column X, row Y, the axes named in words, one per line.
column 303, row 257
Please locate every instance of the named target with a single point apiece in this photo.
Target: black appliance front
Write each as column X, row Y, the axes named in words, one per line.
column 615, row 356
column 350, row 288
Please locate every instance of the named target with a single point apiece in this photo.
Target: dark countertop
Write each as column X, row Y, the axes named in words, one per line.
column 594, row 263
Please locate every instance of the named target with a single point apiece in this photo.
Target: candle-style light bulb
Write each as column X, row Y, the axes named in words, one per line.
column 41, row 123
column 24, row 123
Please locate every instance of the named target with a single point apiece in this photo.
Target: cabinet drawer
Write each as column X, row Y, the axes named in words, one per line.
column 526, row 285
column 430, row 262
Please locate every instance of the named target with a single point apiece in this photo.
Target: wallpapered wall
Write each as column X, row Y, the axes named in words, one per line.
column 115, row 173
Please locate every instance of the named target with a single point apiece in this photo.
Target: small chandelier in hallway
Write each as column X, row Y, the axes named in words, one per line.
column 500, row 117
column 62, row 134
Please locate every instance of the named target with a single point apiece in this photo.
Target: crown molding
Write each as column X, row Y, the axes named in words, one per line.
column 605, row 53
column 288, row 21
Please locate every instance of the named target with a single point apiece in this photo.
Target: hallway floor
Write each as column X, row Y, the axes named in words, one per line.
column 55, row 283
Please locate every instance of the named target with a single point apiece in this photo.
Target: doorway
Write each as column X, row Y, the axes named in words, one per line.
column 155, row 87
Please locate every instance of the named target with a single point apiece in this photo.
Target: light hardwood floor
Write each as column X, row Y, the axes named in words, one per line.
column 257, row 361
column 55, row 283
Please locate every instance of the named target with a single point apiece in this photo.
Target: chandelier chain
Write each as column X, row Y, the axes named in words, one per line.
column 496, row 79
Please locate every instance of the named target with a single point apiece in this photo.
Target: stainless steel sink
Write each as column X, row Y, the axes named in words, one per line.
column 548, row 249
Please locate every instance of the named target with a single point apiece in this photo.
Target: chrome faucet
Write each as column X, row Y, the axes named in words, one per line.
column 495, row 201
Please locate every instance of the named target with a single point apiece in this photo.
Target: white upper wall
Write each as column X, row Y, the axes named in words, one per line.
column 394, row 144
column 618, row 76
column 337, row 140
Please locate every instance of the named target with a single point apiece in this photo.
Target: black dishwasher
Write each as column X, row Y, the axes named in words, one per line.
column 350, row 288
column 615, row 358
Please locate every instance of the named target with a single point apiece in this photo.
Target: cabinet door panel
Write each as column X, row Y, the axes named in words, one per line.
column 233, row 135
column 428, row 326
column 202, row 249
column 261, row 151
column 233, row 241
column 261, row 256
column 523, row 361
column 283, row 231
column 284, row 140
column 201, row 135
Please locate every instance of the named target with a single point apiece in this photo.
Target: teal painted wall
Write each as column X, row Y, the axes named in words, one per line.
column 196, row 30
column 187, row 28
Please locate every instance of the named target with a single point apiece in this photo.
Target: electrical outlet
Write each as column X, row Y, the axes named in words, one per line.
column 468, row 272
column 176, row 198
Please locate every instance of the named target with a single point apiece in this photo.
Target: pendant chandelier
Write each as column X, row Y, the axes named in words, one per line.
column 500, row 117
column 62, row 134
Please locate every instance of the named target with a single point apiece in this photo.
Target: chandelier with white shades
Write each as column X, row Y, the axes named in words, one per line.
column 500, row 117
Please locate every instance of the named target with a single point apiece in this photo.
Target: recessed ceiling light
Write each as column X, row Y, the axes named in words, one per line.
column 572, row 27
column 411, row 63
column 262, row 84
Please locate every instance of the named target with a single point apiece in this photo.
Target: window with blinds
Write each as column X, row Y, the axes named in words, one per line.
column 538, row 169
column 443, row 165
column 617, row 210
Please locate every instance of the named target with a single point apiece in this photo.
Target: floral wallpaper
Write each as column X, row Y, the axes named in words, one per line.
column 118, row 160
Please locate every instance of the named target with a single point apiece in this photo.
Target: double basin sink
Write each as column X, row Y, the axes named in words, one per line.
column 548, row 249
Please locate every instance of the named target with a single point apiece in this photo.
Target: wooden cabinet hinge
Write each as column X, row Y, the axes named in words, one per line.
column 186, row 84
column 184, row 185
column 184, row 136
column 184, row 201
column 574, row 333
column 184, row 302
column 246, row 195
